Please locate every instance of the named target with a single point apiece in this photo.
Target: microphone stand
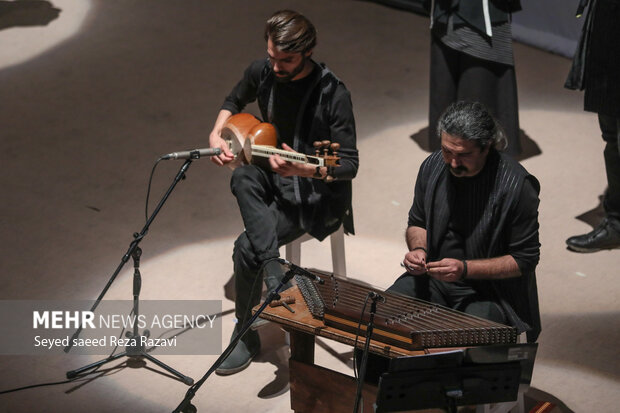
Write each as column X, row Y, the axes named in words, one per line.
column 185, row 406
column 135, row 252
column 369, row 329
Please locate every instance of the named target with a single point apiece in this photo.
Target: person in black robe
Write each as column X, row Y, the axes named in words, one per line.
column 596, row 68
column 472, row 230
column 282, row 200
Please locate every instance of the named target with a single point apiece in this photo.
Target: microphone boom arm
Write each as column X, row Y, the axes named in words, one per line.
column 296, row 269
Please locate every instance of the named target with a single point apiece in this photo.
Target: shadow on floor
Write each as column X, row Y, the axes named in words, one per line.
column 594, row 216
column 274, row 350
column 595, row 330
column 26, row 13
column 540, row 401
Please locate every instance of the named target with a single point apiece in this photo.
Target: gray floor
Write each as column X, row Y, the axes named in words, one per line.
column 88, row 102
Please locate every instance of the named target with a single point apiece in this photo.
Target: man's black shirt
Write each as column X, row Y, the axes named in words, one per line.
column 288, row 97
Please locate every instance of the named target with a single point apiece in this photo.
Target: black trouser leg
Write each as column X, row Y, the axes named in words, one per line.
column 268, row 225
column 411, row 286
column 457, row 76
column 495, row 86
column 610, row 128
column 255, row 193
column 460, row 296
column 444, row 79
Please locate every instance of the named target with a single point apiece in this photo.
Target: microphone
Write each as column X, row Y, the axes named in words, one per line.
column 300, row 271
column 193, row 154
column 377, row 297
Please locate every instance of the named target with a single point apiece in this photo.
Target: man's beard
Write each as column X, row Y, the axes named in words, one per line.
column 284, row 77
column 459, row 170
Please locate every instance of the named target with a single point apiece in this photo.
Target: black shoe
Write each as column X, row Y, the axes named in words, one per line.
column 603, row 237
column 241, row 356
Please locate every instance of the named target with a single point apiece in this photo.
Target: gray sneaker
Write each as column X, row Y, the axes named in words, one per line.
column 240, row 358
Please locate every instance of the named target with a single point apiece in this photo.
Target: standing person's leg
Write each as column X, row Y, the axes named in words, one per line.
column 495, row 86
column 444, row 77
column 610, row 128
column 607, row 234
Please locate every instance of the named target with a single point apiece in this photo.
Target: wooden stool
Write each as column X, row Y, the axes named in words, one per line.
column 293, row 251
column 293, row 254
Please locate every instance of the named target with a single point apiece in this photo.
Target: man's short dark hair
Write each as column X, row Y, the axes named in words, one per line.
column 472, row 121
column 290, row 32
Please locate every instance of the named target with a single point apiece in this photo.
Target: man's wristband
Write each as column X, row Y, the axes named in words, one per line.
column 420, row 248
column 464, row 273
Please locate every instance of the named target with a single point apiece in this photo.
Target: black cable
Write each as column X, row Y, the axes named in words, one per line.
column 146, row 214
column 32, row 386
column 148, row 190
column 357, row 334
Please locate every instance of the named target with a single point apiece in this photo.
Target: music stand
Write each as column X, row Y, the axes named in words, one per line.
column 490, row 374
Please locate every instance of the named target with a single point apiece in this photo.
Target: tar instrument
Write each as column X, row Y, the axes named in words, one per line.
column 250, row 140
column 402, row 321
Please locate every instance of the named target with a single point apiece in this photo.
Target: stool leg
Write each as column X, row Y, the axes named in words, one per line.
column 293, row 252
column 339, row 264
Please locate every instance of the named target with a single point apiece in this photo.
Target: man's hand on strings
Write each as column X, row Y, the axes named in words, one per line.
column 226, row 156
column 286, row 168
